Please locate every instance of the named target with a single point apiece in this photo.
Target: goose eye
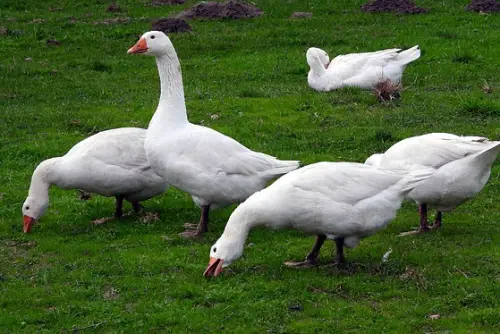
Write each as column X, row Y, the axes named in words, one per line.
column 27, row 208
column 215, row 249
column 153, row 37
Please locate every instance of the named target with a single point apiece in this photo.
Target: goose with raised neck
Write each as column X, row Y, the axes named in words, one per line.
column 110, row 163
column 462, row 166
column 341, row 201
column 214, row 169
column 363, row 70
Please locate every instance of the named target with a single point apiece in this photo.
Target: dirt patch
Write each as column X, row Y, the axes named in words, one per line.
column 4, row 31
column 116, row 20
column 111, row 293
column 387, row 90
column 484, row 6
column 53, row 42
column 167, row 2
column 171, row 25
column 221, row 10
column 394, row 6
column 150, row 217
column 113, row 8
column 301, row 15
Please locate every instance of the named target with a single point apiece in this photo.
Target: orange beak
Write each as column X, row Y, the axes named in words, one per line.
column 214, row 267
column 28, row 223
column 140, row 47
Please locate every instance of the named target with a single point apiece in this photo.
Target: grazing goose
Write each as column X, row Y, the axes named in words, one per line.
column 363, row 70
column 462, row 168
column 109, row 163
column 213, row 168
column 342, row 201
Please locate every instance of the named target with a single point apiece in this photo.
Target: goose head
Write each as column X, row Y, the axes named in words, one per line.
column 33, row 209
column 374, row 160
column 224, row 252
column 317, row 58
column 153, row 43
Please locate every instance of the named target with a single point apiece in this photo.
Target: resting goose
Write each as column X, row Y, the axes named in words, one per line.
column 342, row 201
column 109, row 163
column 462, row 168
column 213, row 168
column 363, row 70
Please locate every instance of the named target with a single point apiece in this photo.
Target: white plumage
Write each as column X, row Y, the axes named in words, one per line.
column 363, row 70
column 342, row 201
column 215, row 169
column 109, row 163
column 462, row 168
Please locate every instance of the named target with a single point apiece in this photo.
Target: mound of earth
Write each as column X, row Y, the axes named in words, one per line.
column 171, row 25
column 167, row 2
column 484, row 6
column 396, row 6
column 220, row 10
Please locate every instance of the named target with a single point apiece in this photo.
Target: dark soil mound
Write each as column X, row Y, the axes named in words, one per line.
column 396, row 6
column 167, row 2
column 484, row 6
column 220, row 10
column 53, row 42
column 171, row 25
column 113, row 8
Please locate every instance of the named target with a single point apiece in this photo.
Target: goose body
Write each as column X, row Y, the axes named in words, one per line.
column 109, row 163
column 462, row 167
column 363, row 70
column 214, row 169
column 342, row 201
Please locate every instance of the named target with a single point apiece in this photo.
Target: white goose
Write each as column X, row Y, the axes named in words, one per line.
column 109, row 163
column 362, row 70
column 462, row 168
column 342, row 201
column 215, row 169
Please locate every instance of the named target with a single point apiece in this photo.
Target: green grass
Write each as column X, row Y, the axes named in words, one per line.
column 125, row 277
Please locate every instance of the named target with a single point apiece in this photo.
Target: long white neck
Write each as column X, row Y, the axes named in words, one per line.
column 43, row 177
column 171, row 110
column 246, row 216
column 317, row 67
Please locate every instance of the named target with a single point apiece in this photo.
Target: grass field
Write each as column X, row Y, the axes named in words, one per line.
column 69, row 275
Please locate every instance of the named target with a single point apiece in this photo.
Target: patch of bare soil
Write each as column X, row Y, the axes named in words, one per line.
column 301, row 15
column 167, row 2
column 387, row 90
column 115, row 20
column 113, row 8
column 53, row 42
column 395, row 6
column 171, row 25
column 484, row 6
column 221, row 10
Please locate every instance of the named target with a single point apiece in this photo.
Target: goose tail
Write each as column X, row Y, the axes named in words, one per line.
column 414, row 179
column 407, row 56
column 282, row 167
column 487, row 156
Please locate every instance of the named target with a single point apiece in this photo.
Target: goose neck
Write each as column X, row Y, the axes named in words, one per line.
column 171, row 107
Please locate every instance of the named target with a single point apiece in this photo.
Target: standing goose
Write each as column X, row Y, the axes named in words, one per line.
column 109, row 163
column 363, row 70
column 462, row 168
column 213, row 168
column 342, row 201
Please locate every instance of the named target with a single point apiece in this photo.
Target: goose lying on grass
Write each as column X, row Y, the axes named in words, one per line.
column 109, row 163
column 462, row 168
column 363, row 70
column 342, row 201
column 213, row 168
